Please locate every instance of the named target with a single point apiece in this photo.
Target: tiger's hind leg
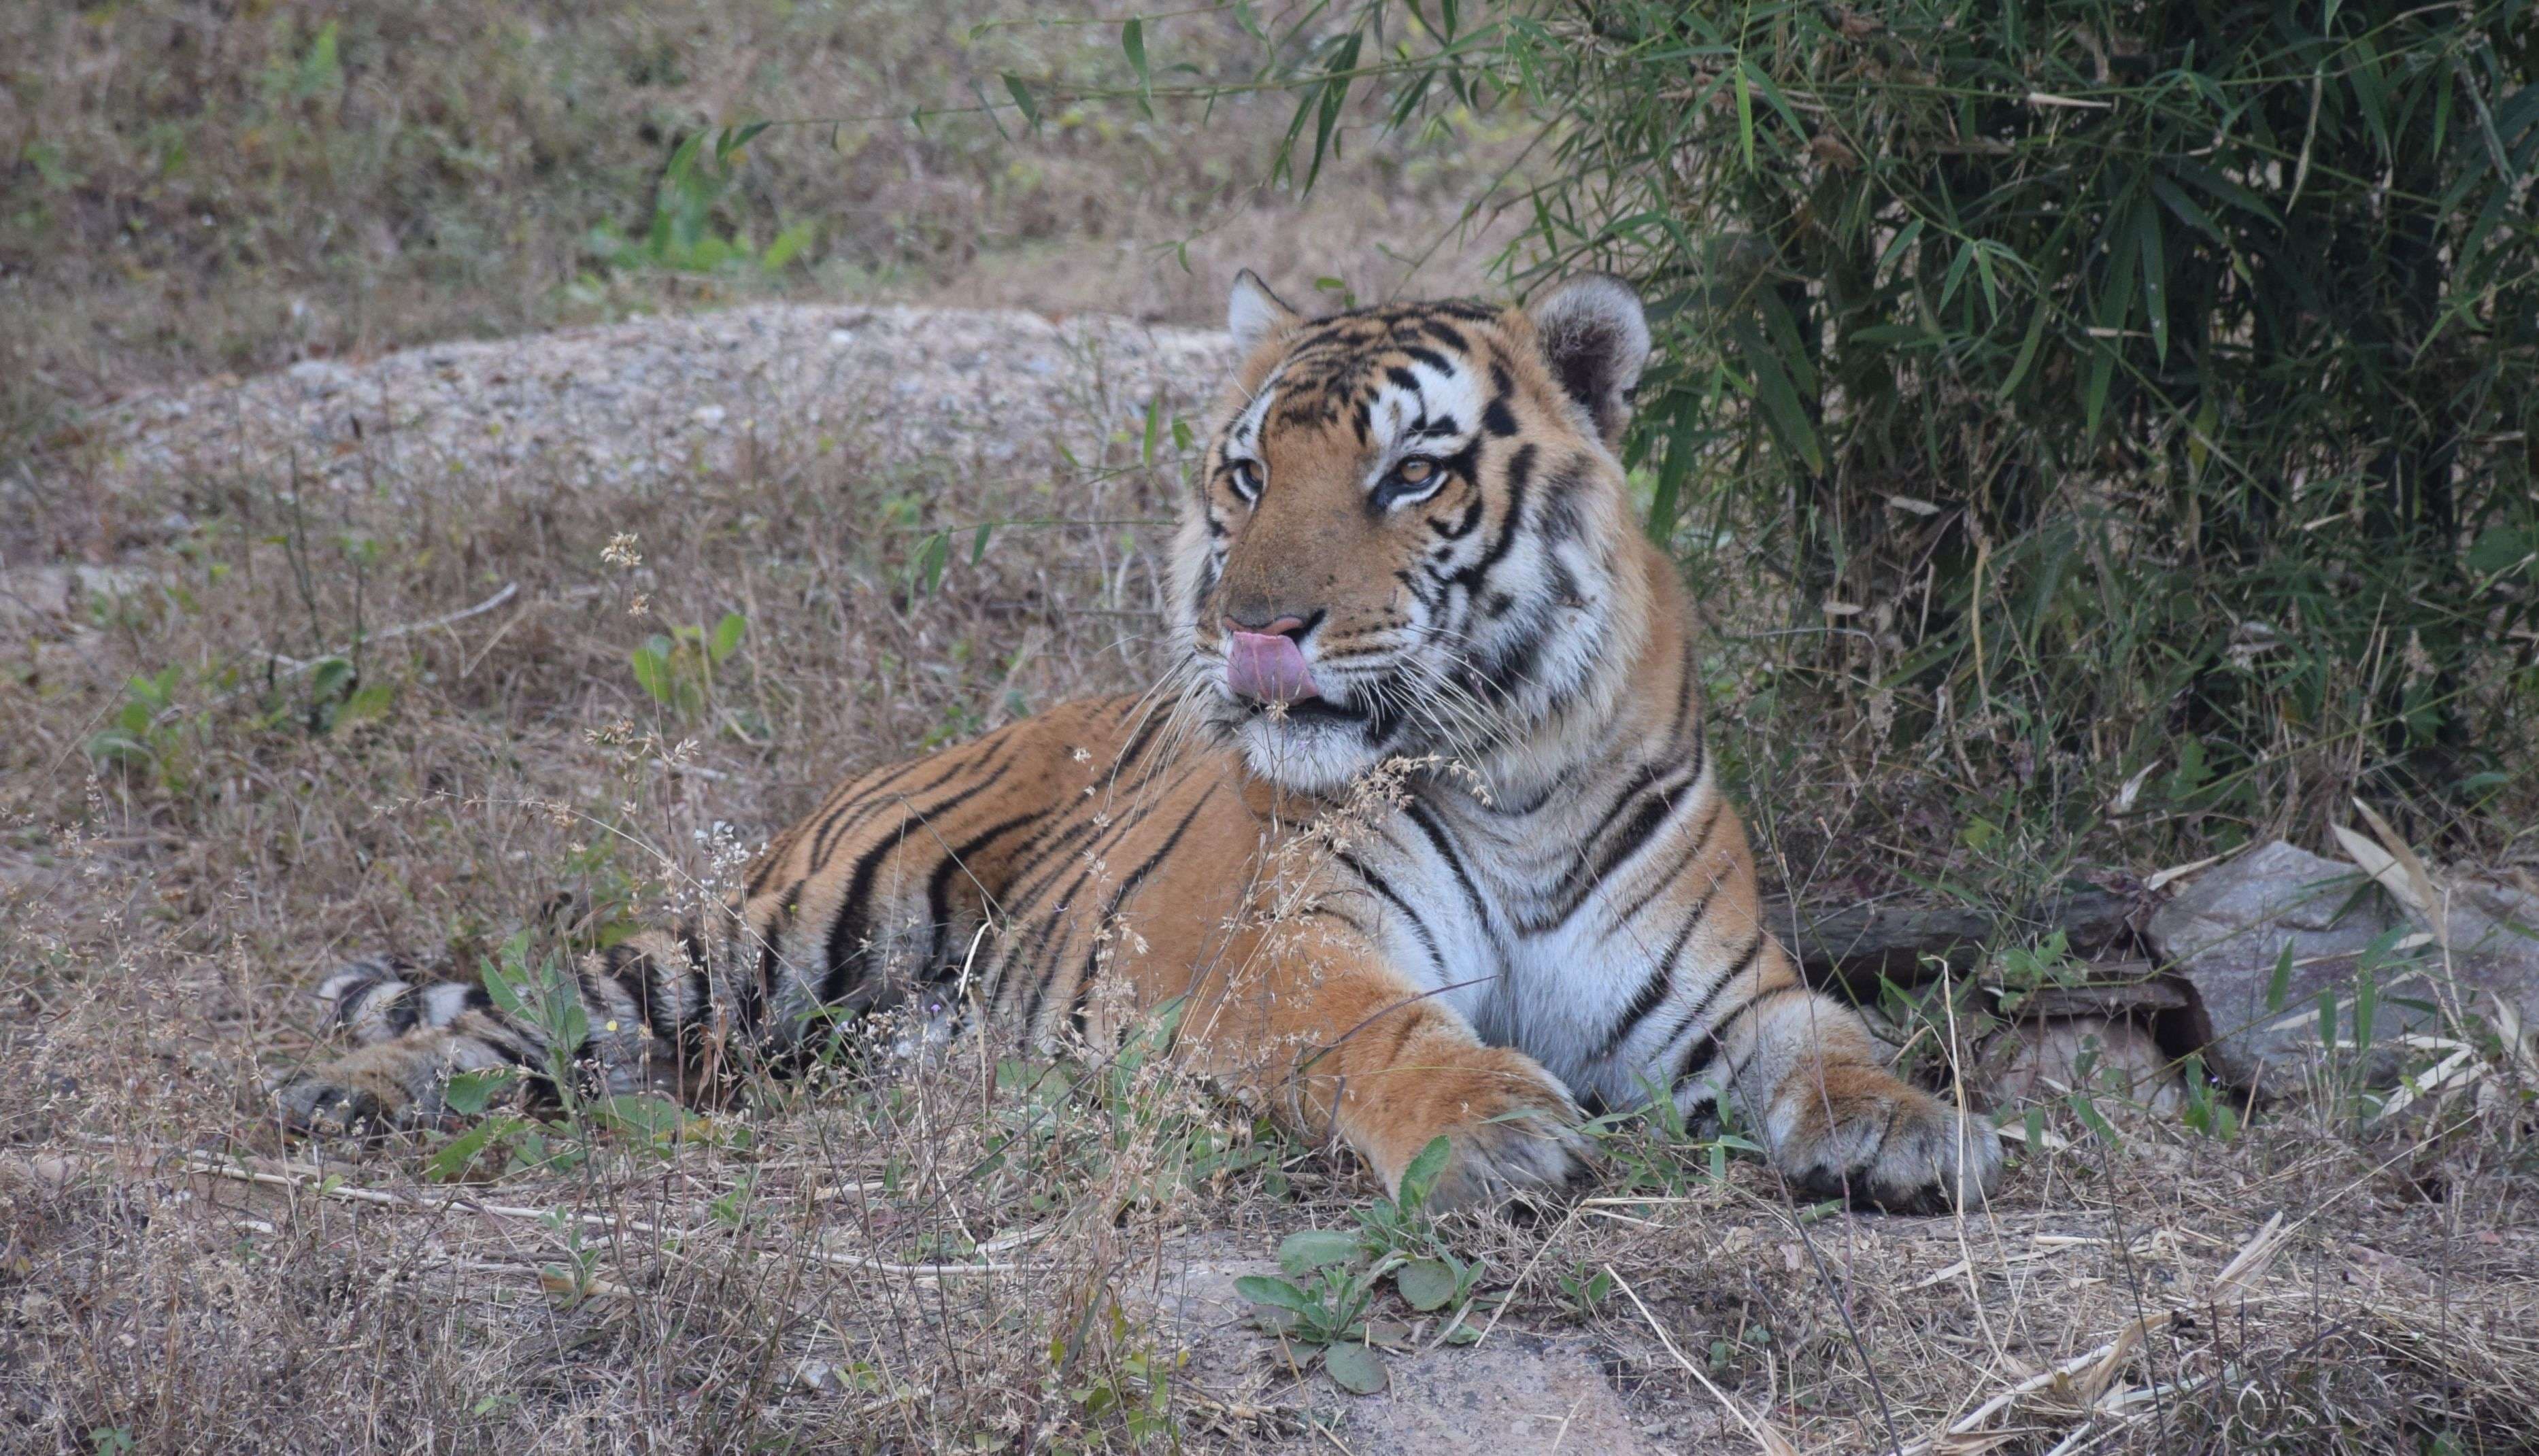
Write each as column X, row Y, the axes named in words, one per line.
column 379, row 998
column 641, row 1004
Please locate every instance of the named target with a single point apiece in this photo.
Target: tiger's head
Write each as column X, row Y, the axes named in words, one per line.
column 1412, row 535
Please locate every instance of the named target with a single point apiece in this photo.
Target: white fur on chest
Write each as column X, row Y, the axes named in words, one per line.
column 1554, row 993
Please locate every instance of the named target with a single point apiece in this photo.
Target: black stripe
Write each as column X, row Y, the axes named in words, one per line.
column 1427, row 819
column 1705, row 1047
column 1695, row 843
column 1376, row 882
column 1737, row 1070
column 1155, row 719
column 1520, row 468
column 852, row 922
column 1583, row 877
column 938, row 885
column 1652, row 994
column 1446, row 336
column 640, row 992
column 1127, row 886
column 994, row 758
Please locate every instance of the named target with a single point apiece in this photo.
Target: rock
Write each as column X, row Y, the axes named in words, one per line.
column 2044, row 1059
column 1519, row 1392
column 2225, row 932
column 33, row 596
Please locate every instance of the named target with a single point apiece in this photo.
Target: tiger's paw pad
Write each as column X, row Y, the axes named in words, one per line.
column 315, row 1104
column 1899, row 1150
column 1510, row 1157
column 1511, row 1131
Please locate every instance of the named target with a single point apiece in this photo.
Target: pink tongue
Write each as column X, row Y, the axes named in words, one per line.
column 1268, row 667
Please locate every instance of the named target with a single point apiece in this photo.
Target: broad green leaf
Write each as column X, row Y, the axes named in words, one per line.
column 368, row 702
column 644, row 1113
column 1356, row 1368
column 1426, row 1283
column 2500, row 550
column 452, row 1159
column 1418, row 1179
column 727, row 635
column 1783, row 407
column 2154, row 275
column 2087, row 1111
column 329, row 678
column 1022, row 99
column 1307, row 1250
column 1276, row 1294
column 787, row 245
column 468, row 1093
column 732, row 139
column 2280, row 985
column 1744, row 116
column 1132, row 43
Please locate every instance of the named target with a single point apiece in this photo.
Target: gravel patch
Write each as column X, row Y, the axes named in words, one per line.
column 653, row 399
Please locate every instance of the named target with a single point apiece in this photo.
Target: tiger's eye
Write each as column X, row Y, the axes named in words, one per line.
column 1414, row 471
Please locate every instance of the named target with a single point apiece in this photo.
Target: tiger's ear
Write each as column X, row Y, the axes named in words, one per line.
column 1595, row 339
column 1253, row 313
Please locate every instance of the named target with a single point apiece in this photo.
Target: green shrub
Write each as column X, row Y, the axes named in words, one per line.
column 2113, row 382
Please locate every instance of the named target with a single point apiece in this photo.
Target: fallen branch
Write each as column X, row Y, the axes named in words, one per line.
column 461, row 1205
column 294, row 666
column 1856, row 944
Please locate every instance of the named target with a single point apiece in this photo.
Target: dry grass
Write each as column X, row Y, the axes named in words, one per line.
column 955, row 1257
column 962, row 1256
column 192, row 190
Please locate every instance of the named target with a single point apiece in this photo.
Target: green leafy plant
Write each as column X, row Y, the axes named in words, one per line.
column 2208, row 1108
column 1655, row 1148
column 1332, row 1278
column 2127, row 380
column 1586, row 1289
column 676, row 668
column 142, row 736
column 539, row 993
column 693, row 190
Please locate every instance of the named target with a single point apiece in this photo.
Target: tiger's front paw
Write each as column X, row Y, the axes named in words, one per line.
column 1857, row 1132
column 1510, row 1127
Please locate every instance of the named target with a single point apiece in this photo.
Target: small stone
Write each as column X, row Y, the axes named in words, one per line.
column 2101, row 1055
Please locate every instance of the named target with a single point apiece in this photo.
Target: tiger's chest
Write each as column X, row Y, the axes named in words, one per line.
column 1516, row 924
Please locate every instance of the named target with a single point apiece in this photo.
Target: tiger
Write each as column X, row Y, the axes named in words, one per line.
column 1417, row 835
